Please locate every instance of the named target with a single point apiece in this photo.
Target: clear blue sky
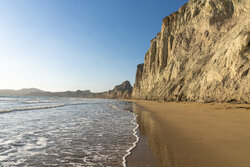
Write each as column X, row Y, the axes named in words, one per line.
column 59, row 45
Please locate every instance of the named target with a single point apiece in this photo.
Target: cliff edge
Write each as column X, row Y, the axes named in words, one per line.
column 201, row 54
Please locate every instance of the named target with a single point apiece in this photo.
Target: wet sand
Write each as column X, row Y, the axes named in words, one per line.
column 141, row 156
column 192, row 135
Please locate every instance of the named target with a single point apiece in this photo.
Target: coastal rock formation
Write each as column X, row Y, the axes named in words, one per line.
column 122, row 91
column 201, row 54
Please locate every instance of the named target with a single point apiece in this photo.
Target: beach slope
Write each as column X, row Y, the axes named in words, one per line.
column 196, row 134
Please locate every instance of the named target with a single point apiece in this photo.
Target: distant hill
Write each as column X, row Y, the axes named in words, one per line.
column 21, row 92
column 78, row 93
column 120, row 91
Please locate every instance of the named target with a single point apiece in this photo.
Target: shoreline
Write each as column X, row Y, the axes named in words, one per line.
column 129, row 151
column 188, row 134
column 140, row 155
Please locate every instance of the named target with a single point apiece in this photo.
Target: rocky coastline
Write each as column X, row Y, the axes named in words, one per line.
column 201, row 54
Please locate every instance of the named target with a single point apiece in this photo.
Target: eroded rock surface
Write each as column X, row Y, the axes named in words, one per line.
column 122, row 91
column 201, row 54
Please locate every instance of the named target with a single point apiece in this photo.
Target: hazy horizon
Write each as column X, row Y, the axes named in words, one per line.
column 65, row 45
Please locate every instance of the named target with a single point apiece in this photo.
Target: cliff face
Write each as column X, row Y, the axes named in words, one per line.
column 201, row 54
column 122, row 91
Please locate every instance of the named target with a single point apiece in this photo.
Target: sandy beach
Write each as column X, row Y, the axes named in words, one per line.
column 192, row 135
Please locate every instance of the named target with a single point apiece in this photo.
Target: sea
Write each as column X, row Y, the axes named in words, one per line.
column 55, row 131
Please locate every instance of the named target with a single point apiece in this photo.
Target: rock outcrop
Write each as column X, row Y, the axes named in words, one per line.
column 201, row 54
column 122, row 91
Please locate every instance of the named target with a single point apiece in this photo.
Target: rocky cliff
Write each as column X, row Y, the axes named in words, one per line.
column 122, row 91
column 201, row 54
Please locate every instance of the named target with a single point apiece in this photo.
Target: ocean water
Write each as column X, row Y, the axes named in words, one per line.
column 39, row 131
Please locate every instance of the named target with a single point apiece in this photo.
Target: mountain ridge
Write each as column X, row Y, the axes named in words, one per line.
column 123, row 91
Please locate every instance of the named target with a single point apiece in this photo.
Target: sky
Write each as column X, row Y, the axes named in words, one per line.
column 59, row 45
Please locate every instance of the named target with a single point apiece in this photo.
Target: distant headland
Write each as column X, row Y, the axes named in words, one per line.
column 122, row 91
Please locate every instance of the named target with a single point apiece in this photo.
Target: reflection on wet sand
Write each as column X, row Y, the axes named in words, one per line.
column 150, row 128
column 194, row 134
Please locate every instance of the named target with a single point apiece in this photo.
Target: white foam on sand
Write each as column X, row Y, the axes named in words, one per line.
column 134, row 144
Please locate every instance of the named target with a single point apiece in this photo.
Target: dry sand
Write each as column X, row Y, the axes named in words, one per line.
column 193, row 134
